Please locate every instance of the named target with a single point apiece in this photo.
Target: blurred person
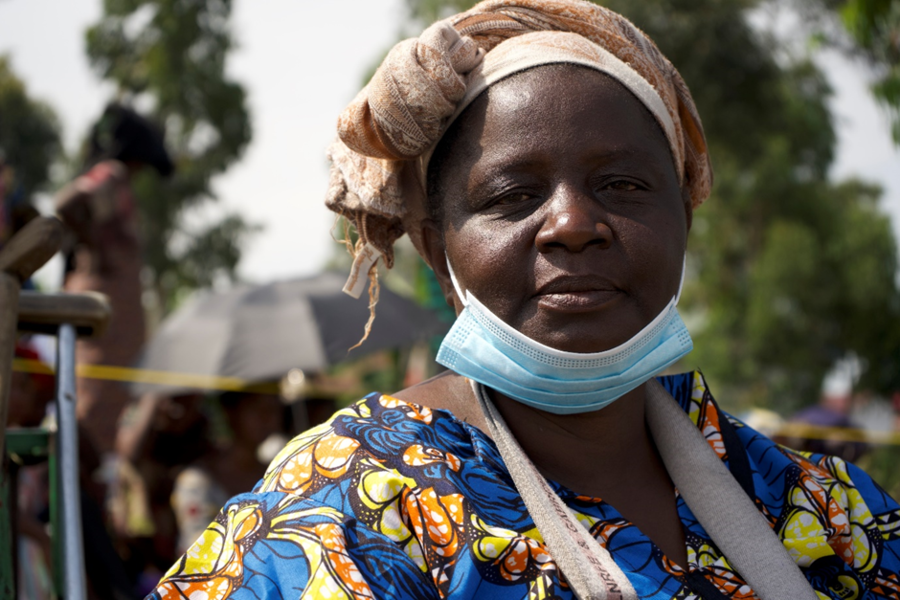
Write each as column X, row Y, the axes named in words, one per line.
column 158, row 436
column 545, row 159
column 229, row 469
column 16, row 210
column 832, row 411
column 104, row 254
column 29, row 395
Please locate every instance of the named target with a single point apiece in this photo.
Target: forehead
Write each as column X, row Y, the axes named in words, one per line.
column 550, row 77
column 539, row 107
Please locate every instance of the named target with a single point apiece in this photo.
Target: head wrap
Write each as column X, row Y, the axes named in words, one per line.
column 388, row 133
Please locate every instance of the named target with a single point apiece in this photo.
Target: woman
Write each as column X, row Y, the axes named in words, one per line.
column 158, row 436
column 545, row 159
column 228, row 469
column 105, row 255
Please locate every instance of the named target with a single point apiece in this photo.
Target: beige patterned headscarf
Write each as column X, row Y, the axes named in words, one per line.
column 387, row 134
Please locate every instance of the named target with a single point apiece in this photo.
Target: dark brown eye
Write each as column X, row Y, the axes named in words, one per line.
column 621, row 186
column 514, row 198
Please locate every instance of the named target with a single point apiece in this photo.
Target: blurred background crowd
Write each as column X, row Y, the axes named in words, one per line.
column 182, row 143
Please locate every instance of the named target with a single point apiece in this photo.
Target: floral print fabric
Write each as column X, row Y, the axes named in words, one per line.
column 394, row 500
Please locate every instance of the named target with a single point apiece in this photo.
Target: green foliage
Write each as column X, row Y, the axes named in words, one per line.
column 866, row 29
column 793, row 271
column 875, row 27
column 170, row 54
column 29, row 133
column 791, row 267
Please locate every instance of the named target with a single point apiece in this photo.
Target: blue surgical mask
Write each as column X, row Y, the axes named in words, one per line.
column 483, row 347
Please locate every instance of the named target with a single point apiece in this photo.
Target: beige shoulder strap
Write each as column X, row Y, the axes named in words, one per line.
column 588, row 567
column 720, row 504
column 713, row 495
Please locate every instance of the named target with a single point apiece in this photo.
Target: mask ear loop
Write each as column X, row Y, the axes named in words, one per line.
column 463, row 296
column 680, row 283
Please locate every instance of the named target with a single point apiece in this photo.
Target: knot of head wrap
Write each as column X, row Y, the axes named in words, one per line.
column 397, row 117
column 401, row 113
column 387, row 133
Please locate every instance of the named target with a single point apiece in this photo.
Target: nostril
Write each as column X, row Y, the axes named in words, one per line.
column 604, row 235
column 553, row 245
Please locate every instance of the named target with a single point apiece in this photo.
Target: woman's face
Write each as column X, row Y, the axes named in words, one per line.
column 561, row 209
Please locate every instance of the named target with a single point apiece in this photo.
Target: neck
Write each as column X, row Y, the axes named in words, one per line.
column 614, row 439
column 607, row 454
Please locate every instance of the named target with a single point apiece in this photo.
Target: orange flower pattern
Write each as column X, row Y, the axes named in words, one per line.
column 393, row 500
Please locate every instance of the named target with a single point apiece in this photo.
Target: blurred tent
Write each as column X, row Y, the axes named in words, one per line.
column 261, row 332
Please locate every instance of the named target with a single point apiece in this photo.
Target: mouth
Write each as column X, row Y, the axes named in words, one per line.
column 577, row 293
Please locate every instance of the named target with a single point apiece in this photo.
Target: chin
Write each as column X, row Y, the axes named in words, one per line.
column 577, row 339
column 585, row 333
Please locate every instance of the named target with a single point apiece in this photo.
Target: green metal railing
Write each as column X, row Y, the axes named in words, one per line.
column 66, row 316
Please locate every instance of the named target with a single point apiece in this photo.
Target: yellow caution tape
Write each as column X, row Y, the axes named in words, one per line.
column 837, row 434
column 169, row 378
column 235, row 384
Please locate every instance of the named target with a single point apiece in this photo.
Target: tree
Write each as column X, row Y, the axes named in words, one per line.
column 875, row 27
column 790, row 267
column 868, row 29
column 29, row 133
column 786, row 268
column 170, row 55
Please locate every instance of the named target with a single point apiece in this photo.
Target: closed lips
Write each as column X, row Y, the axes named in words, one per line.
column 577, row 293
column 577, row 284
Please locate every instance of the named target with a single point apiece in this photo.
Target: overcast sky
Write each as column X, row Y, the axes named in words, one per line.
column 301, row 62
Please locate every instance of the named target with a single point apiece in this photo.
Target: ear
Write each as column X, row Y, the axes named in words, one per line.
column 436, row 257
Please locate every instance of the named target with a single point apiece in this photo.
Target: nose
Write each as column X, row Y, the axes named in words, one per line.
column 575, row 221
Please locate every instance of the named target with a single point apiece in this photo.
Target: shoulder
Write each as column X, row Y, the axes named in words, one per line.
column 386, row 485
column 382, row 460
column 831, row 516
column 103, row 174
column 450, row 392
column 266, row 542
column 836, row 522
column 379, row 438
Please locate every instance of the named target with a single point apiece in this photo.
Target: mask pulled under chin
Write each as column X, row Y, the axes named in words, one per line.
column 484, row 348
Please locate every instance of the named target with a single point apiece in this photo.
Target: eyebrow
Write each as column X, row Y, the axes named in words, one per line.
column 636, row 156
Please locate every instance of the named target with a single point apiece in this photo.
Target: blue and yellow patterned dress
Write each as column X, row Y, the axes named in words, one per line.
column 393, row 500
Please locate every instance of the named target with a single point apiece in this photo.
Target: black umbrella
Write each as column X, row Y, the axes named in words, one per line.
column 259, row 333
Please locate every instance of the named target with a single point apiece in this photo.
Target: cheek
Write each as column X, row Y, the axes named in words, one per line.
column 494, row 260
column 655, row 247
